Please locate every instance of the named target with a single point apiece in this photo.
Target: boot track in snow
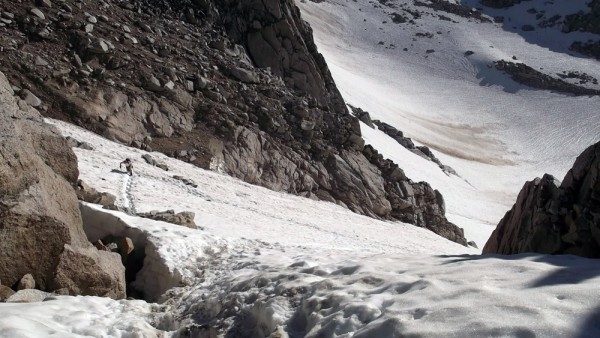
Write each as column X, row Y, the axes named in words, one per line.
column 128, row 203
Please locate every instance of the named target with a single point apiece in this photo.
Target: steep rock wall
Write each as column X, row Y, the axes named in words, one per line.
column 40, row 223
column 553, row 218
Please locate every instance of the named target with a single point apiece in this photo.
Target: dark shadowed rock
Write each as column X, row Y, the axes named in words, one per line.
column 500, row 3
column 553, row 218
column 528, row 76
column 584, row 20
column 363, row 116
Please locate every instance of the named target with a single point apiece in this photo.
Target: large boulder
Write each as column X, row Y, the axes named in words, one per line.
column 554, row 218
column 78, row 266
column 39, row 212
column 88, row 194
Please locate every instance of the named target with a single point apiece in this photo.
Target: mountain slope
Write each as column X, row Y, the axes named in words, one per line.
column 309, row 278
column 233, row 86
column 433, row 77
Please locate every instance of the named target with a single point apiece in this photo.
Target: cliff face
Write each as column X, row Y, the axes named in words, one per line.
column 40, row 223
column 236, row 86
column 554, row 218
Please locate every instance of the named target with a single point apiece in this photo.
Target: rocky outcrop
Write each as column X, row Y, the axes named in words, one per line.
column 554, row 218
column 500, row 3
column 584, row 21
column 587, row 22
column 234, row 86
column 408, row 143
column 363, row 116
column 528, row 76
column 184, row 218
column 39, row 213
column 587, row 48
column 88, row 271
column 91, row 195
column 456, row 9
column 414, row 203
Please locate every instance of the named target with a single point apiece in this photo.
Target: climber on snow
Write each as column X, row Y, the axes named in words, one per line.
column 128, row 165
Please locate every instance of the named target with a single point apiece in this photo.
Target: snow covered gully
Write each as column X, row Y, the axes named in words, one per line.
column 147, row 275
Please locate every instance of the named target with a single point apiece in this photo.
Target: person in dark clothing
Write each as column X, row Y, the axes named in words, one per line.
column 128, row 165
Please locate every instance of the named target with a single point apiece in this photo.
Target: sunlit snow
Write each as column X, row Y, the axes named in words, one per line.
column 296, row 267
column 496, row 133
column 272, row 264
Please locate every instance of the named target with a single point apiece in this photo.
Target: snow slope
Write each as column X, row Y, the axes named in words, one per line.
column 271, row 264
column 267, row 264
column 494, row 132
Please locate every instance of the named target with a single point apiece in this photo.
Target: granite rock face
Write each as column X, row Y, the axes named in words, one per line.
column 554, row 218
column 234, row 86
column 39, row 212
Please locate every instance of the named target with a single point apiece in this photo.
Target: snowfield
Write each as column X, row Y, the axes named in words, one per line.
column 494, row 132
column 269, row 264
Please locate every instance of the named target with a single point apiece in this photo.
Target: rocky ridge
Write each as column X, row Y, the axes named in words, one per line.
column 237, row 87
column 399, row 137
column 528, row 76
column 550, row 217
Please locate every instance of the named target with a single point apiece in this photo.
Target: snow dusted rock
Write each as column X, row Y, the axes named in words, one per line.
column 554, row 218
column 407, row 143
column 28, row 296
column 38, row 206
